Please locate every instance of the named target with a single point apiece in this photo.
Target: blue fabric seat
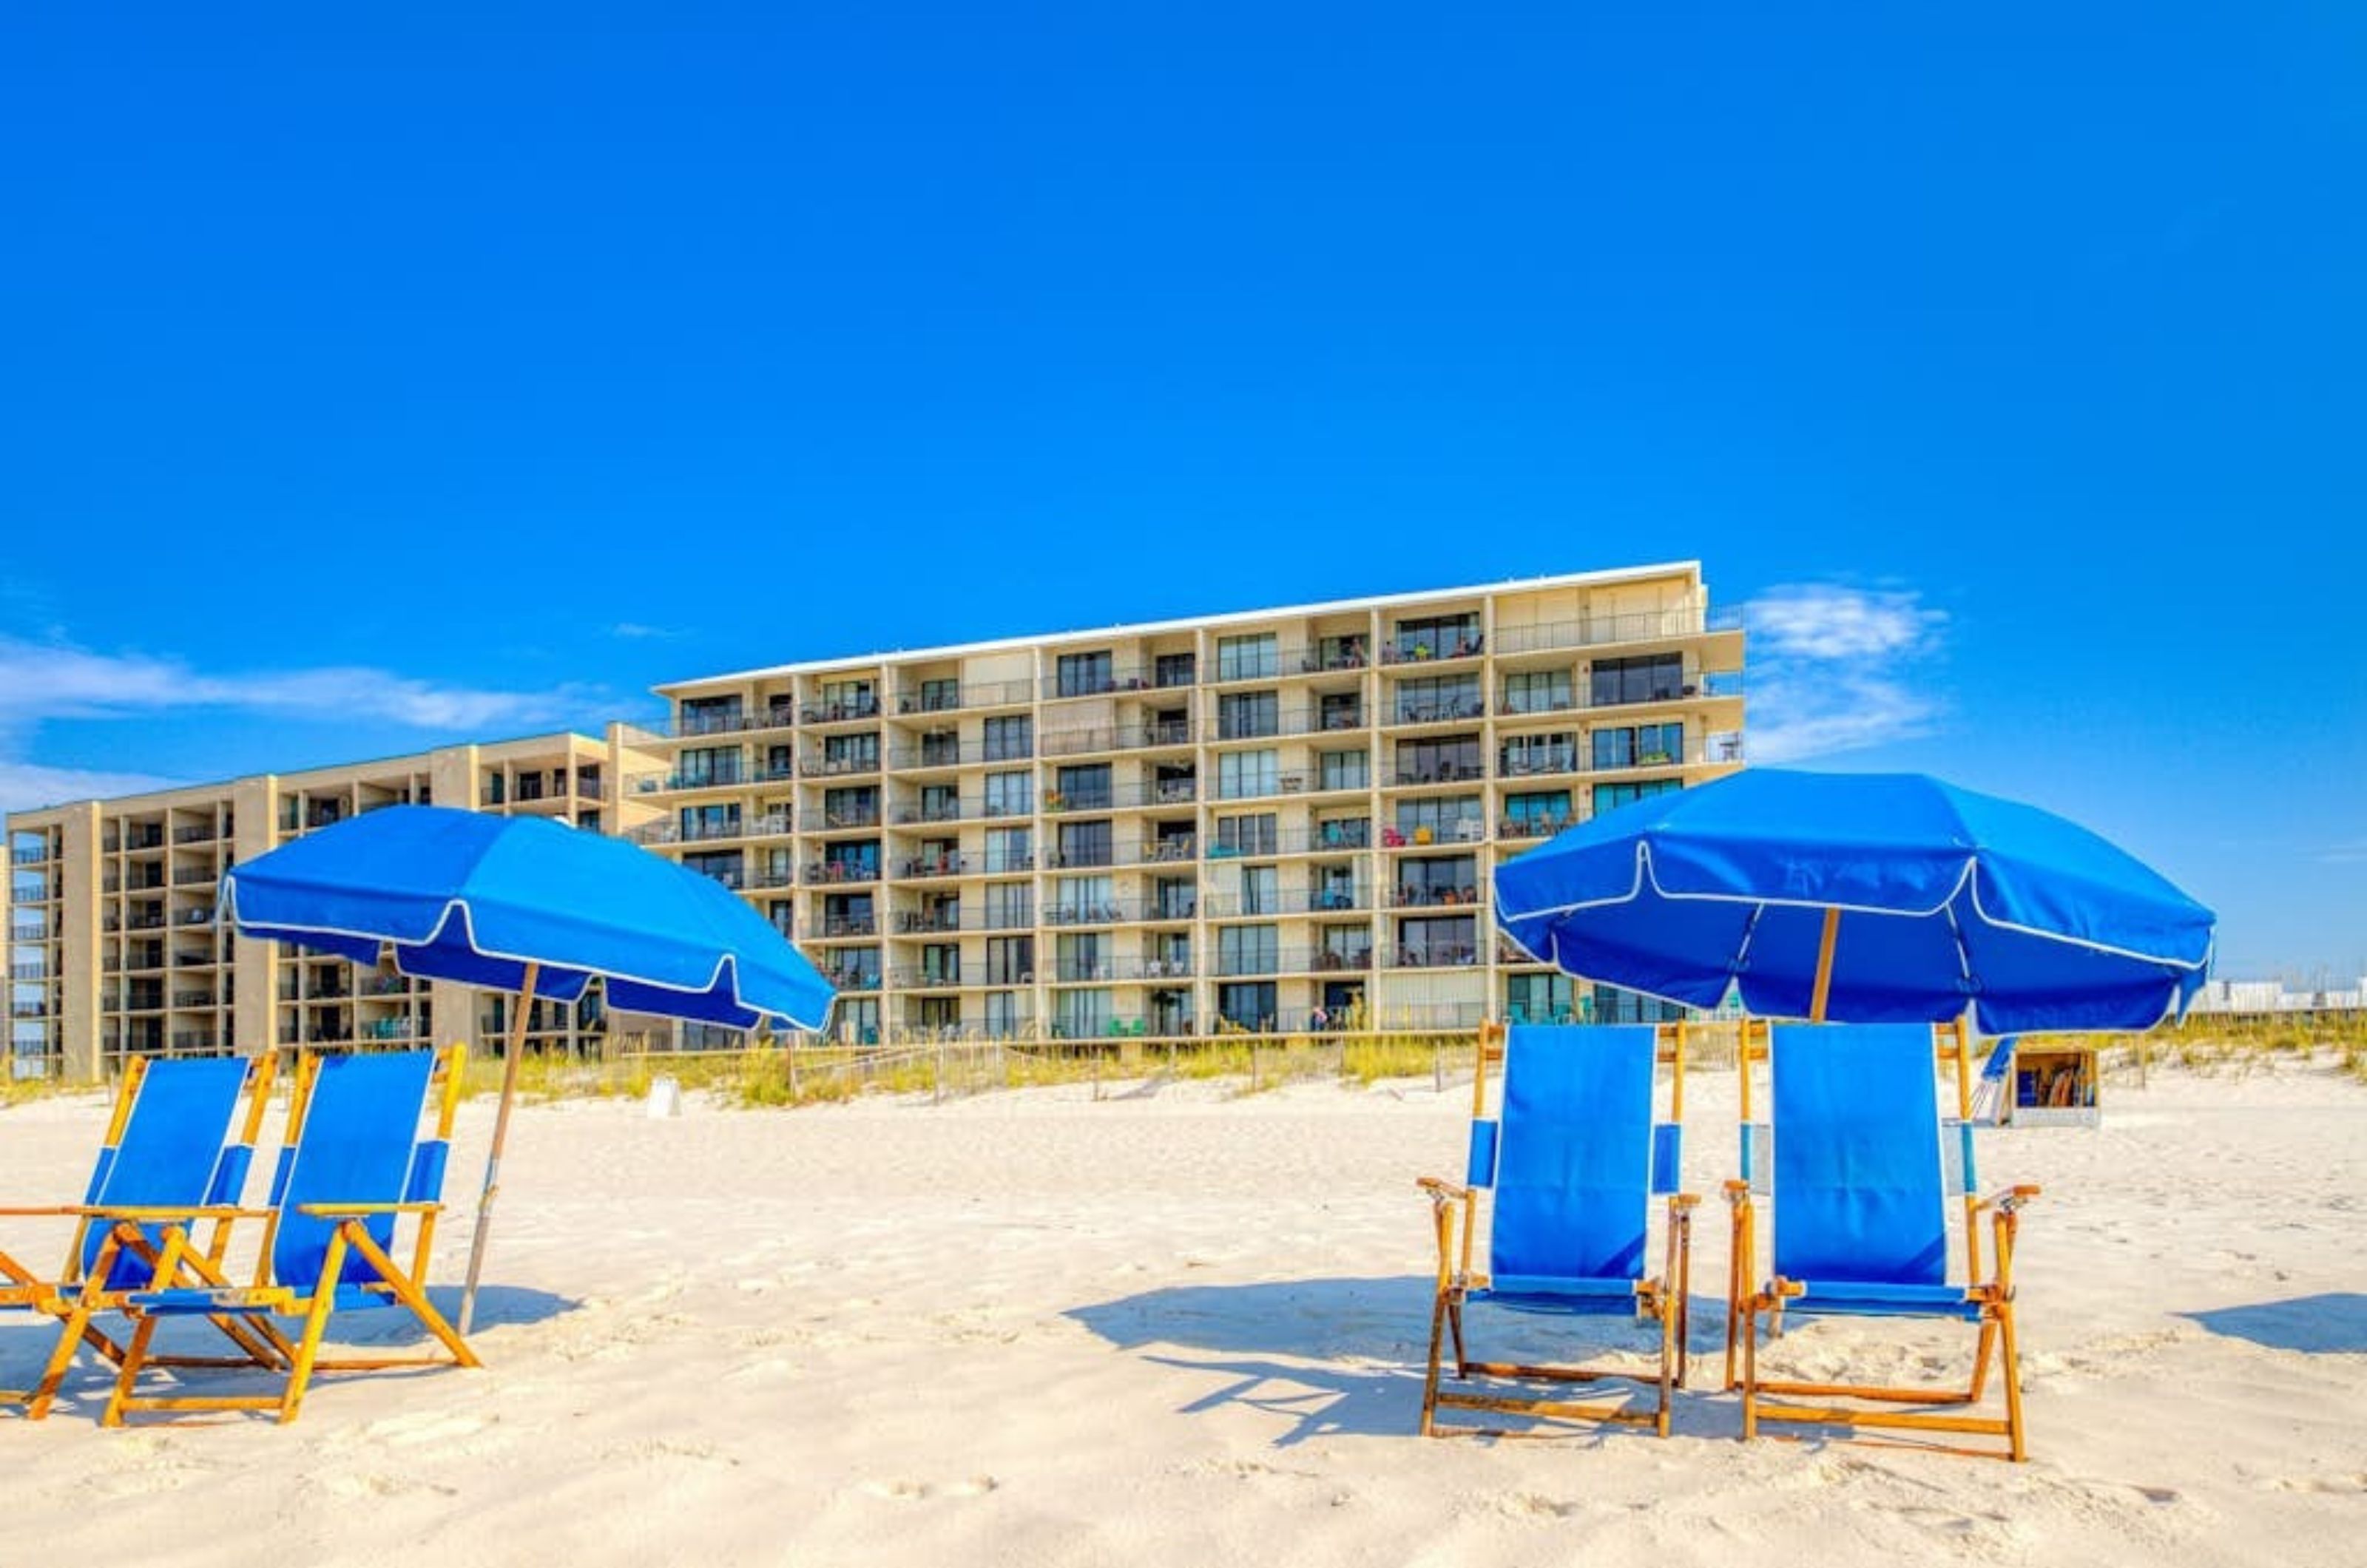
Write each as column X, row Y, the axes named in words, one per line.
column 1862, row 1176
column 1571, row 1161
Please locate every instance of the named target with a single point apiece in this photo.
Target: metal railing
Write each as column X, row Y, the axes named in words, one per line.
column 837, row 872
column 967, row 694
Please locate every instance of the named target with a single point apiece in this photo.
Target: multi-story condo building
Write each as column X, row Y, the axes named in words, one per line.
column 113, row 945
column 1271, row 820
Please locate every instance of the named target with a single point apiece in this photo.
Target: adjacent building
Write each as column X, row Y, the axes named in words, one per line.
column 1275, row 820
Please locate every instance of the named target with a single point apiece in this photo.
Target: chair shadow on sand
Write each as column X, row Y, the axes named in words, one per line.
column 498, row 1306
column 2334, row 1323
column 1337, row 1357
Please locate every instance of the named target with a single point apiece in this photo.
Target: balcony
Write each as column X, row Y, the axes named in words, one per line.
column 1597, row 631
column 1293, row 901
column 839, row 767
column 195, row 876
column 835, row 872
column 1463, row 830
column 1096, row 683
column 1093, row 857
column 198, row 834
column 938, row 811
column 776, row 714
column 1442, row 710
column 852, row 980
column 1169, row 850
column 29, row 854
column 193, row 999
column 1433, row 955
column 1096, row 913
column 920, row 866
column 1432, row 648
column 847, row 819
column 968, row 694
column 1440, row 774
column 203, row 915
column 732, row 777
column 1532, row 827
column 921, row 978
column 840, row 927
column 1416, row 896
column 851, row 710
column 923, row 922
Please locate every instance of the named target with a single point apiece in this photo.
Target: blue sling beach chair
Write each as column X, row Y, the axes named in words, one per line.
column 176, row 1143
column 1572, row 1160
column 1859, row 1171
column 355, row 1161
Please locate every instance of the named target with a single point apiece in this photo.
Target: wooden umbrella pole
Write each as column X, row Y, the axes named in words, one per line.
column 500, row 1136
column 1825, row 965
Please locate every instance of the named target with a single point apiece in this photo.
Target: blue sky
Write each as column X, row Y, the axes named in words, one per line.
column 372, row 383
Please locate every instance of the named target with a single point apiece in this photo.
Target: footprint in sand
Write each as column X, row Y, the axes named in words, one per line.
column 426, row 1426
column 928, row 1491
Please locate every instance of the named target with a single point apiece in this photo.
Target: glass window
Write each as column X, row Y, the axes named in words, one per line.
column 1438, row 941
column 1083, row 899
column 937, row 696
column 1533, row 813
column 1437, row 699
column 1639, row 746
column 1255, row 834
column 1537, row 998
column 1441, row 760
column 1541, row 691
column 1081, row 955
column 1175, row 898
column 1553, row 753
column 1009, row 849
column 707, row 765
column 1010, row 739
column 1009, row 960
column 850, row 807
column 850, row 753
column 1003, row 1014
column 1437, row 636
column 1436, row 817
column 1260, row 891
column 1085, row 788
column 1081, row 1015
column 1085, row 674
column 1010, row 904
column 1345, row 770
column 1242, row 775
column 1086, row 844
column 1174, row 669
column 1443, row 879
column 1248, row 1004
column 1010, row 793
column 1247, row 950
column 710, row 716
column 724, row 865
column 1611, row 796
column 1252, row 657
column 1248, row 715
column 1649, row 678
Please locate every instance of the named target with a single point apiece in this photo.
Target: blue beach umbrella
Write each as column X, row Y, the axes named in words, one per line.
column 531, row 906
column 1860, row 898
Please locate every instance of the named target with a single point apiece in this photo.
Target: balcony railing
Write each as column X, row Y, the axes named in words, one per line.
column 200, row 833
column 1417, row 896
column 1146, row 736
column 838, row 927
column 1455, row 955
column 1291, row 901
column 846, row 711
column 923, row 922
column 1423, row 835
column 967, row 694
column 827, row 767
column 1432, row 648
column 1437, row 710
column 1080, row 683
column 1532, row 827
column 1595, row 631
column 1090, row 912
column 952, row 810
column 1173, row 850
column 776, row 714
column 845, row 821
column 730, row 777
column 948, row 865
column 832, row 872
column 853, row 979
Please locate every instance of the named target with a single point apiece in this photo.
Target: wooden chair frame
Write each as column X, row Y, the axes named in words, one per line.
column 1455, row 1214
column 79, row 1295
column 1878, row 1406
column 298, row 1358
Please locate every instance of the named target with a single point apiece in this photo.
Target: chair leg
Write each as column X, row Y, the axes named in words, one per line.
column 1671, row 1351
column 134, row 1355
column 1455, row 1323
column 1981, row 1359
column 1429, row 1382
column 2012, row 1372
column 316, row 1323
column 408, row 1293
column 1750, row 1372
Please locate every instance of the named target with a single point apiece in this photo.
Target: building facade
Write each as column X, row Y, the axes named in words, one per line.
column 114, row 949
column 1272, row 820
column 1278, row 819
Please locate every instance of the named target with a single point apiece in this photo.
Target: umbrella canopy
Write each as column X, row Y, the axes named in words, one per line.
column 462, row 895
column 532, row 907
column 1938, row 898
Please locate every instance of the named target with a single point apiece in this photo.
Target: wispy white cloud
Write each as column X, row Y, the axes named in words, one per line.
column 44, row 680
column 56, row 680
column 635, row 630
column 1836, row 668
column 2353, row 854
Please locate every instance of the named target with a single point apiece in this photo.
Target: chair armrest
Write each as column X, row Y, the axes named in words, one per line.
column 66, row 1211
column 356, row 1210
column 166, row 1216
column 1683, row 1203
column 2011, row 1198
column 1441, row 1191
column 1738, row 1193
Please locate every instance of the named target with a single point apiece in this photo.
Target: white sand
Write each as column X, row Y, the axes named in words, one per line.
column 1175, row 1328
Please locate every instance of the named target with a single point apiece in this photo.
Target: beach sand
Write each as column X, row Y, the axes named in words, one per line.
column 1176, row 1325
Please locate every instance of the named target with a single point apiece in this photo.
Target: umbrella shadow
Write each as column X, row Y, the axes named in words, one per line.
column 2333, row 1323
column 1336, row 1357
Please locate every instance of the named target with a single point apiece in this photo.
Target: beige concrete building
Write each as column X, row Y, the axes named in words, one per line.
column 1249, row 820
column 1257, row 820
column 113, row 946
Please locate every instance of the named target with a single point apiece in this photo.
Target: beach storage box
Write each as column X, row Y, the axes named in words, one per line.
column 2052, row 1086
